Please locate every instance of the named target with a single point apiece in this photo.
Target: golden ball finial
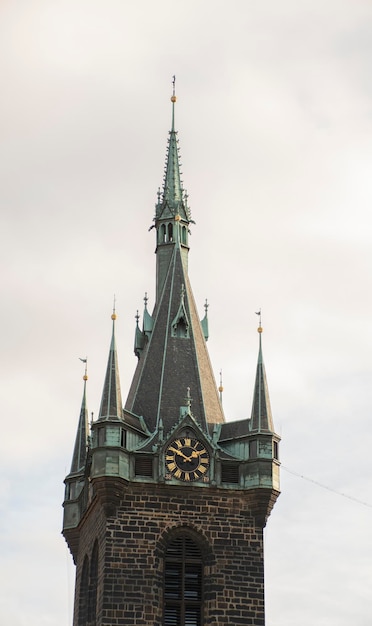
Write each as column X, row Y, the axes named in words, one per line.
column 220, row 389
column 177, row 217
column 260, row 329
column 173, row 99
column 85, row 377
column 113, row 316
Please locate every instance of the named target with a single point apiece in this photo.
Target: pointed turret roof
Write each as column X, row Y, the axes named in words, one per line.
column 111, row 403
column 261, row 418
column 80, row 449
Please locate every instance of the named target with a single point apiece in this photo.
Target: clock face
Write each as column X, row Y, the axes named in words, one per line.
column 187, row 459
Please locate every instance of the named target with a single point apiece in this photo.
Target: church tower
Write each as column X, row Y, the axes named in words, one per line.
column 166, row 502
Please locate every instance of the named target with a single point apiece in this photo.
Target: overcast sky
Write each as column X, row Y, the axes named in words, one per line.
column 274, row 115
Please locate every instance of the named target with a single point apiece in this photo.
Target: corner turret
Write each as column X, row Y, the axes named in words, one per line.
column 75, row 481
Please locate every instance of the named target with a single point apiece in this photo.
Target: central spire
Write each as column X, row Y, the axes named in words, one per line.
column 171, row 348
column 172, row 187
column 172, row 215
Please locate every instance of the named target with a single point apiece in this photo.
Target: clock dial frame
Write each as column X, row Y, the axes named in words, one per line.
column 187, row 459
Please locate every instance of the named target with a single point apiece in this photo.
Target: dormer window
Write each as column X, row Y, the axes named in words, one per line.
column 180, row 328
column 180, row 324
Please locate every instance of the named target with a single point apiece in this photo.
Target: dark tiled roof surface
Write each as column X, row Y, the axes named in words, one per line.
column 234, row 430
column 170, row 364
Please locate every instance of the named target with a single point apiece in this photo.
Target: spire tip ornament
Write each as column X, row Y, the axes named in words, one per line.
column 259, row 329
column 113, row 316
column 85, row 377
column 173, row 97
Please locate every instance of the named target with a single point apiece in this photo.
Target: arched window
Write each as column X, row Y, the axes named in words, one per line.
column 184, row 235
column 163, row 234
column 183, row 583
column 83, row 594
column 92, row 606
column 170, row 232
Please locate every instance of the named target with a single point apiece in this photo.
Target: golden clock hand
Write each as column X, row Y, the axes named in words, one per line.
column 187, row 458
column 197, row 453
column 173, row 449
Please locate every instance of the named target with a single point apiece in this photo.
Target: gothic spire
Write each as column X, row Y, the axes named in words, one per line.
column 111, row 403
column 173, row 200
column 174, row 355
column 80, row 449
column 261, row 418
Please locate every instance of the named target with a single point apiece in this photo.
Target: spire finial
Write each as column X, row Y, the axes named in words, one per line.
column 188, row 399
column 145, row 299
column 113, row 316
column 259, row 329
column 85, row 377
column 206, row 305
column 220, row 388
column 173, row 98
column 137, row 317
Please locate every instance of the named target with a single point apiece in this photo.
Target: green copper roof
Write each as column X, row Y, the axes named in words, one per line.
column 173, row 199
column 172, row 351
column 80, row 449
column 111, row 403
column 261, row 418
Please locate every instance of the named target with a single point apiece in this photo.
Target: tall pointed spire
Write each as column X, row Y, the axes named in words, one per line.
column 111, row 403
column 173, row 200
column 172, row 190
column 175, row 355
column 80, row 449
column 261, row 418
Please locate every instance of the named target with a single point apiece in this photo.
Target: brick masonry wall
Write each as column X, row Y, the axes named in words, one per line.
column 132, row 543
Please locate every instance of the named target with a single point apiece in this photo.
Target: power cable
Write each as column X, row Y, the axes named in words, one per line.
column 315, row 482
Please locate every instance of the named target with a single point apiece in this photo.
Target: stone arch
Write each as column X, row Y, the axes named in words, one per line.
column 195, row 534
column 185, row 554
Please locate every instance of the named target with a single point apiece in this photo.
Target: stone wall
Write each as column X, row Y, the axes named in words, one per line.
column 132, row 543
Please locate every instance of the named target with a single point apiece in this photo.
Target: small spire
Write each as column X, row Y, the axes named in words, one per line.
column 80, row 449
column 188, row 400
column 111, row 403
column 220, row 388
column 204, row 321
column 173, row 99
column 148, row 322
column 261, row 410
column 172, row 187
